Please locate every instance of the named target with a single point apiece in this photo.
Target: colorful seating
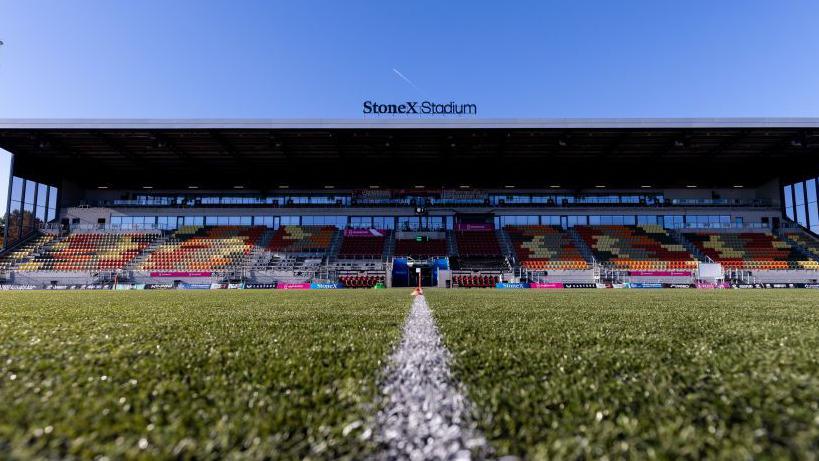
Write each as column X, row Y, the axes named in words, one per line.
column 647, row 247
column 477, row 243
column 475, row 281
column 91, row 251
column 750, row 250
column 809, row 243
column 193, row 248
column 26, row 251
column 302, row 239
column 361, row 281
column 545, row 248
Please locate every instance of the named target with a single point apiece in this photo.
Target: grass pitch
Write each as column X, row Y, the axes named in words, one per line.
column 639, row 374
column 564, row 374
column 192, row 374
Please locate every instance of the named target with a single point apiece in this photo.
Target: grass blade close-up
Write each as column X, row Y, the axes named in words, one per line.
column 640, row 374
column 192, row 374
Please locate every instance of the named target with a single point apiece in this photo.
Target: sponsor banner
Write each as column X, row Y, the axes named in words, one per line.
column 680, row 285
column 363, row 233
column 610, row 285
column 98, row 286
column 579, row 285
column 783, row 285
column 159, row 286
column 551, row 285
column 774, row 285
column 218, row 286
column 660, row 273
column 514, row 285
column 644, row 285
column 260, row 286
column 709, row 285
column 129, row 286
column 17, row 287
column 194, row 286
column 478, row 227
column 181, row 274
column 235, row 286
column 326, row 286
column 292, row 286
column 744, row 285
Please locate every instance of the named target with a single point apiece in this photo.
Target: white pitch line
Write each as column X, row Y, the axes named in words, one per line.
column 425, row 415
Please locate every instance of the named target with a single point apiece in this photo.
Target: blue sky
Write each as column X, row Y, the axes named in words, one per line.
column 309, row 59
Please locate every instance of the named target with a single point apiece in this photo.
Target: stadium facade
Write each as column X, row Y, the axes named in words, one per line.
column 452, row 202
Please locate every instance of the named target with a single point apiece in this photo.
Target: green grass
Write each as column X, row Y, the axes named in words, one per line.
column 192, row 374
column 639, row 374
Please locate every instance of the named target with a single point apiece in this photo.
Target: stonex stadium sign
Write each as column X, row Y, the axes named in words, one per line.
column 419, row 108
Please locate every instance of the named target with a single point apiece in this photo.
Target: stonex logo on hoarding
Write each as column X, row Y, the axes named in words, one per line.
column 419, row 108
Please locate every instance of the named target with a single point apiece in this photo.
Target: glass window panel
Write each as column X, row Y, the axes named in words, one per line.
column 15, row 221
column 42, row 195
column 17, row 189
column 801, row 216
column 289, row 220
column 799, row 193
column 572, row 221
column 31, row 191
column 813, row 214
column 788, row 202
column 811, row 185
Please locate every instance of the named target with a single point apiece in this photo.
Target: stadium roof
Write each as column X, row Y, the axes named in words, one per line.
column 262, row 154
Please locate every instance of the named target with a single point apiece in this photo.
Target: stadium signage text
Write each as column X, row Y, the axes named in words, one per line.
column 419, row 108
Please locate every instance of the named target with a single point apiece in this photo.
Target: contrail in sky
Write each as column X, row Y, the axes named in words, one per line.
column 404, row 78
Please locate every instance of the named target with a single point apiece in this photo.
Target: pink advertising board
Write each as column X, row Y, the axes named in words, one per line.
column 293, row 286
column 660, row 273
column 551, row 285
column 363, row 233
column 479, row 227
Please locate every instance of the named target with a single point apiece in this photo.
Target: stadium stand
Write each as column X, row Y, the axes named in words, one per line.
column 194, row 248
column 545, row 248
column 749, row 250
column 363, row 246
column 809, row 243
column 90, row 251
column 302, row 239
column 475, row 281
column 361, row 281
column 647, row 247
column 478, row 251
column 24, row 252
column 420, row 248
column 477, row 243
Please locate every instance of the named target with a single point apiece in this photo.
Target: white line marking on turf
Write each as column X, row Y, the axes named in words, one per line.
column 425, row 415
